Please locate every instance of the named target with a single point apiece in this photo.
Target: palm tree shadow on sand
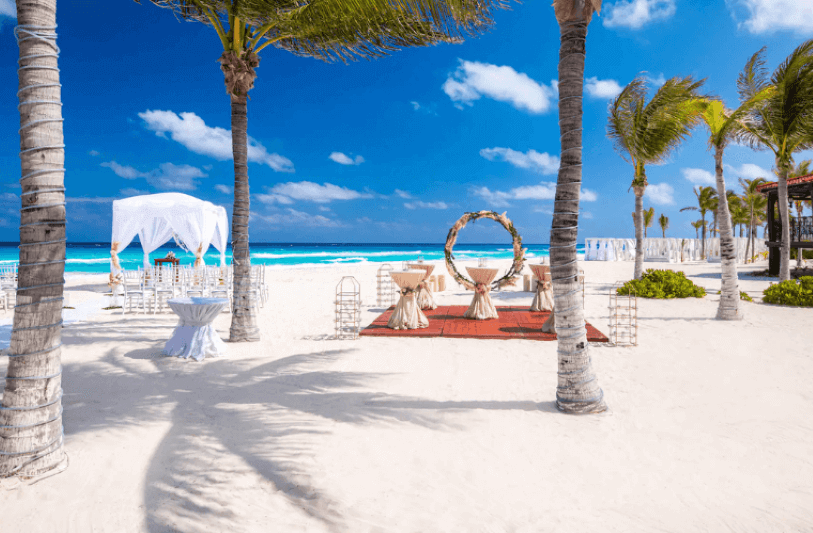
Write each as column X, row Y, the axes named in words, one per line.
column 239, row 442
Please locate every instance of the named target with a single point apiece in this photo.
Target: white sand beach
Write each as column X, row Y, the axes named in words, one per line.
column 708, row 428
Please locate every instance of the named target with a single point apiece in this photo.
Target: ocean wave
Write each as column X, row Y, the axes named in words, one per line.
column 97, row 260
column 263, row 255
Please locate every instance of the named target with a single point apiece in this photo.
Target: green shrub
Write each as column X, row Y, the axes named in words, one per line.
column 806, row 254
column 743, row 296
column 791, row 292
column 662, row 284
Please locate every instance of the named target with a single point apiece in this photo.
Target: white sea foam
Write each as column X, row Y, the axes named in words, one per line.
column 264, row 255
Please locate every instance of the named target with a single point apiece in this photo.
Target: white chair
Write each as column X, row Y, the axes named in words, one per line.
column 221, row 286
column 133, row 290
column 164, row 286
column 195, row 282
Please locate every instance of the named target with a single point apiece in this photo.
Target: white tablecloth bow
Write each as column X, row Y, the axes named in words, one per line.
column 194, row 336
column 407, row 314
column 482, row 307
column 425, row 298
column 543, row 299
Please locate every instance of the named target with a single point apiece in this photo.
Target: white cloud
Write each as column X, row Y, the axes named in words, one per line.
column 166, row 177
column 546, row 190
column 8, row 9
column 698, row 176
column 225, row 189
column 324, row 209
column 606, row 89
column 473, row 80
column 94, row 153
column 345, row 160
column 660, row 193
column 130, row 191
column 750, row 171
column 634, row 14
column 189, row 130
column 426, row 205
column 273, row 198
column 91, row 199
column 543, row 163
column 292, row 217
column 308, row 191
column 769, row 16
column 658, row 80
column 587, row 215
column 403, row 194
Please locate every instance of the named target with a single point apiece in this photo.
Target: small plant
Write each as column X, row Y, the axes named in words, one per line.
column 111, row 307
column 743, row 296
column 663, row 284
column 791, row 292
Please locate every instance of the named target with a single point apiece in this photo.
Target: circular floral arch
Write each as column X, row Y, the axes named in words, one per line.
column 519, row 253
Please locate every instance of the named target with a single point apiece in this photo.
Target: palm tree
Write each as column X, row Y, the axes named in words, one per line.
column 697, row 224
column 663, row 222
column 577, row 389
column 738, row 210
column 649, row 216
column 723, row 124
column 755, row 203
column 328, row 30
column 31, row 411
column 706, row 201
column 783, row 124
column 647, row 133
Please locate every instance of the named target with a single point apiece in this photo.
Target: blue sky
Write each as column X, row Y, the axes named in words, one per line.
column 389, row 150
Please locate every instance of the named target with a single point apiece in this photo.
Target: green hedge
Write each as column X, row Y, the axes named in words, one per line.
column 791, row 292
column 806, row 254
column 662, row 284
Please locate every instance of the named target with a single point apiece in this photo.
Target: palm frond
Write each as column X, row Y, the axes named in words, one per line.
column 576, row 10
column 622, row 112
column 754, row 77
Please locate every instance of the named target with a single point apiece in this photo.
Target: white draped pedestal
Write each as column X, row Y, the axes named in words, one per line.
column 194, row 336
column 425, row 298
column 407, row 314
column 543, row 299
column 482, row 307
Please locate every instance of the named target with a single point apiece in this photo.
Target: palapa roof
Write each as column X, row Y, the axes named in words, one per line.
column 765, row 187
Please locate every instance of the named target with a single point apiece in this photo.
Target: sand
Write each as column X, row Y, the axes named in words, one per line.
column 708, row 428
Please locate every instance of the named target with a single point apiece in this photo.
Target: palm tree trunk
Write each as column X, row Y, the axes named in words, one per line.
column 729, row 308
column 639, row 231
column 784, row 214
column 748, row 243
column 703, row 237
column 31, row 436
column 243, row 320
column 577, row 390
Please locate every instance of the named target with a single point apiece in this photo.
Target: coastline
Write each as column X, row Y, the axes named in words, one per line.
column 379, row 434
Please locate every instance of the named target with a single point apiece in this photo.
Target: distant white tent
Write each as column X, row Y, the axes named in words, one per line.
column 158, row 218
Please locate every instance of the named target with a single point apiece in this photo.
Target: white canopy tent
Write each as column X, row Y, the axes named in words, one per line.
column 158, row 218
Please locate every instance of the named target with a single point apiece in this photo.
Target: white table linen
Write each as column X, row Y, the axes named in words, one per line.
column 194, row 336
column 425, row 298
column 482, row 308
column 407, row 314
column 543, row 299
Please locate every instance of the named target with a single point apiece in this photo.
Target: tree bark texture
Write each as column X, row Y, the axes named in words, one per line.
column 243, row 321
column 639, row 231
column 577, row 390
column 784, row 215
column 730, row 307
column 31, row 436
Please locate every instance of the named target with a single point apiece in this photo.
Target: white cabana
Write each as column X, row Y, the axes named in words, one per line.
column 158, row 218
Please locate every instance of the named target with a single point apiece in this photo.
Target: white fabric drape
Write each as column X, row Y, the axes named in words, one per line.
column 407, row 314
column 482, row 308
column 156, row 217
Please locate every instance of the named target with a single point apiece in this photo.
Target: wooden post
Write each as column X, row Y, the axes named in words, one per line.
column 773, row 251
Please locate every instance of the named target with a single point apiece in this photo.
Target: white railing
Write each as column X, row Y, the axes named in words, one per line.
column 665, row 250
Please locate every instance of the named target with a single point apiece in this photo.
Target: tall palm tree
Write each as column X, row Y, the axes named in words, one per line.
column 649, row 217
column 577, row 389
column 325, row 29
column 723, row 124
column 663, row 222
column 31, row 411
column 706, row 201
column 783, row 124
column 697, row 224
column 648, row 133
column 755, row 203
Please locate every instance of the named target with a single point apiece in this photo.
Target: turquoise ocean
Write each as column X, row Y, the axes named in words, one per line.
column 95, row 257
